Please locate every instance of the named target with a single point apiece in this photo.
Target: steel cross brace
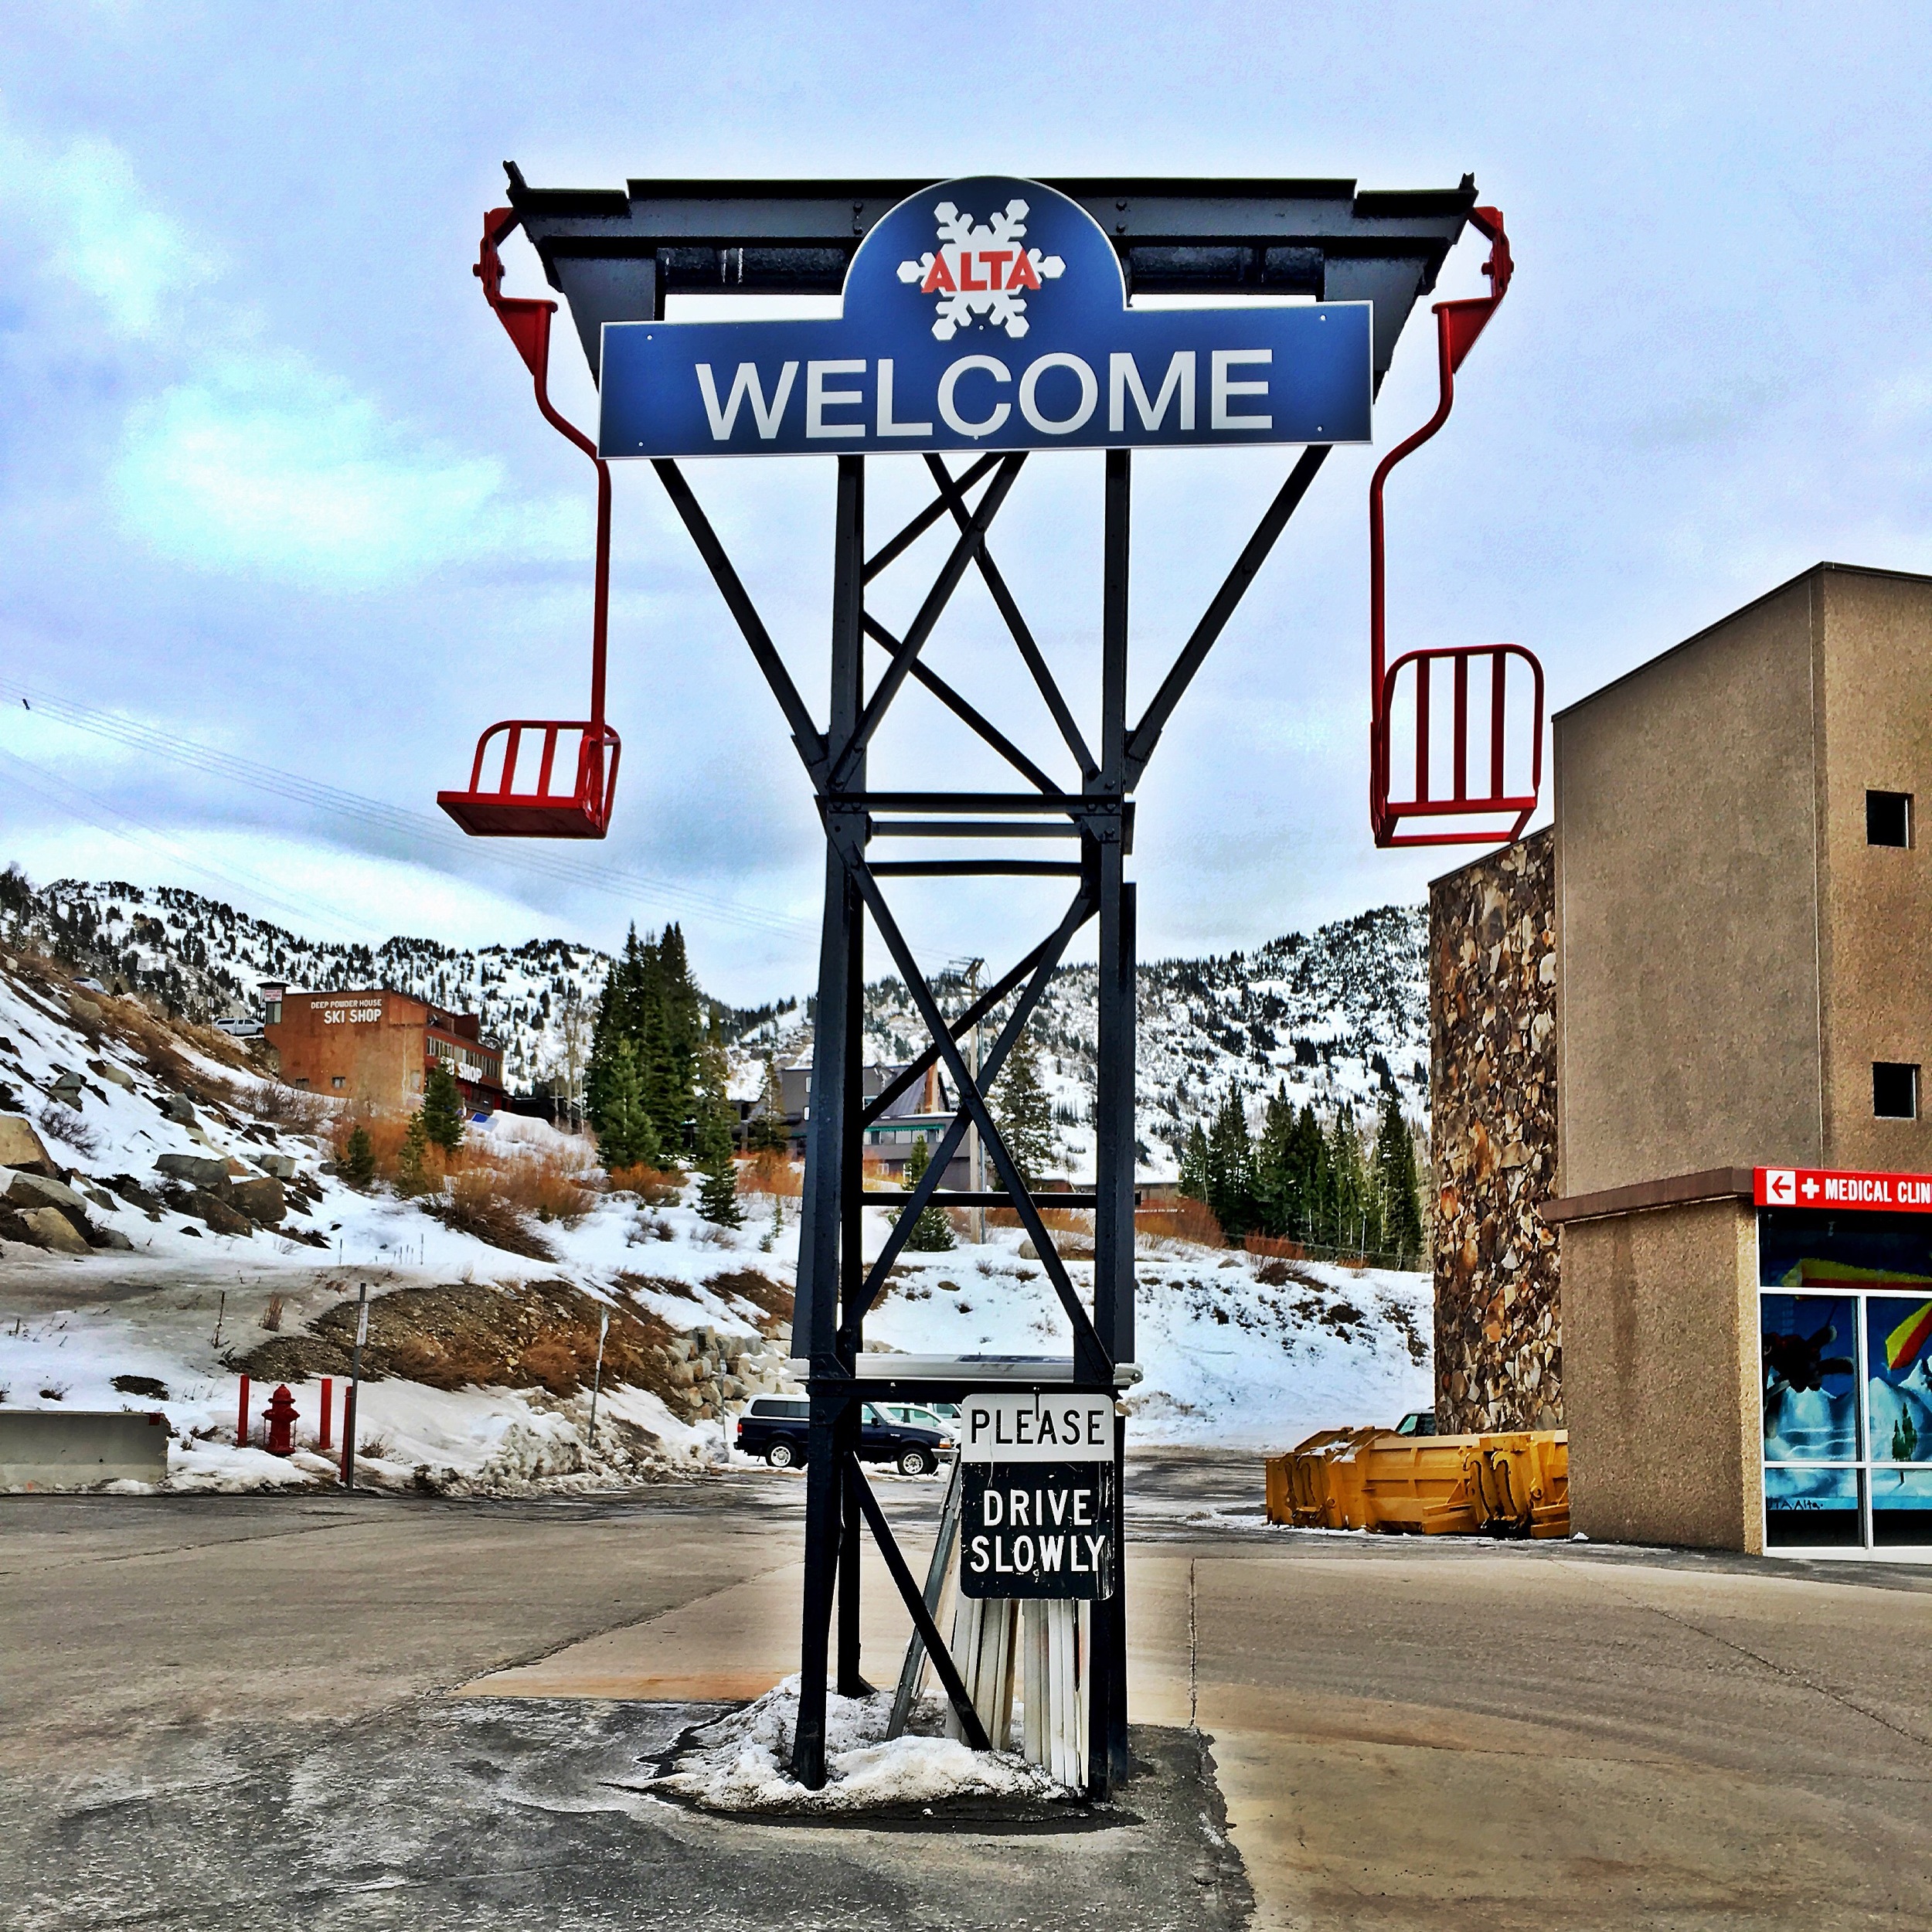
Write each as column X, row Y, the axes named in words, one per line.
column 836, row 1287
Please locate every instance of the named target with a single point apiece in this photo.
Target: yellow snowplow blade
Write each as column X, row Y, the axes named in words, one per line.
column 1512, row 1483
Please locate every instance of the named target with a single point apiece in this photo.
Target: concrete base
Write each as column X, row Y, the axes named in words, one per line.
column 79, row 1448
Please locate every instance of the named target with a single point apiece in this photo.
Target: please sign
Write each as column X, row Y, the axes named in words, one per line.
column 1037, row 1496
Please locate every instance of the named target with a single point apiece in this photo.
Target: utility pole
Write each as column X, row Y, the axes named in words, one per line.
column 975, row 1165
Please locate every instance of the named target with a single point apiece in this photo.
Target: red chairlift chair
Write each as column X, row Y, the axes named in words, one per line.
column 1457, row 326
column 497, row 809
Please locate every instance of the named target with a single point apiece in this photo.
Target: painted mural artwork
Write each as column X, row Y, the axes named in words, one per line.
column 1810, row 1379
column 1845, row 1335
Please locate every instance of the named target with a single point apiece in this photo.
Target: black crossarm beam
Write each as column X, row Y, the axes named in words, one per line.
column 1077, row 915
column 922, row 626
column 963, row 708
column 936, row 1645
column 1008, row 608
column 804, row 734
column 927, row 1184
column 1247, row 566
column 978, row 868
column 1091, row 1361
column 890, row 552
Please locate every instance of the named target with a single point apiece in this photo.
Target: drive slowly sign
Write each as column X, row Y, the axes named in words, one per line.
column 988, row 314
column 1037, row 1496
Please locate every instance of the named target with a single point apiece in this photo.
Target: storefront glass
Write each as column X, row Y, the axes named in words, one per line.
column 1845, row 1347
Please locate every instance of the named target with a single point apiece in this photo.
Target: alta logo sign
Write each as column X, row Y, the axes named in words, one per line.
column 980, row 269
column 987, row 314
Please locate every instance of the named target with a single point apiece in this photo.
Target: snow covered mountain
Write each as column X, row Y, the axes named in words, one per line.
column 1340, row 1015
column 209, row 961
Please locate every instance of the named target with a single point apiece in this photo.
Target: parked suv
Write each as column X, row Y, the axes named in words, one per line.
column 778, row 1427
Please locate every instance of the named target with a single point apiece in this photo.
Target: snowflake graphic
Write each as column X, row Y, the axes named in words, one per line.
column 981, row 269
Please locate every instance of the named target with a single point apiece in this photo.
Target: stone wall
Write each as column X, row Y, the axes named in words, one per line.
column 1492, row 1028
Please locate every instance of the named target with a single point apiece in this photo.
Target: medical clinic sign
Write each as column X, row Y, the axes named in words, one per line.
column 988, row 314
column 1036, row 1496
column 1817, row 1187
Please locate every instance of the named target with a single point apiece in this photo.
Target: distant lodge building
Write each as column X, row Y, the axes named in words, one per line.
column 378, row 1046
column 923, row 1112
column 1652, row 1025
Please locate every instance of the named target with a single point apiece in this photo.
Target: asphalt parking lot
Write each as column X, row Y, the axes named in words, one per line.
column 376, row 1712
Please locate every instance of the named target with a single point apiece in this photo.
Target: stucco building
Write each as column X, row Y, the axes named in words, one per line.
column 1740, row 904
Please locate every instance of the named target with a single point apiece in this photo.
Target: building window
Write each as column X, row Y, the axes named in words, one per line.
column 1888, row 818
column 337, row 1081
column 1895, row 1090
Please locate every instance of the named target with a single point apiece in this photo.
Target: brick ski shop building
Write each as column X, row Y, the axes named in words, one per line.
column 378, row 1047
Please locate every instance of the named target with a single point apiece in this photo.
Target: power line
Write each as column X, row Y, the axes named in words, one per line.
column 98, row 813
column 417, row 829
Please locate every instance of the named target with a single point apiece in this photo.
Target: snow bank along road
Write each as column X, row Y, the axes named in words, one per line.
column 229, row 1712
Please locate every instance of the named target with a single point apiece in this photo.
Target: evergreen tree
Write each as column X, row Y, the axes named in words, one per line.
column 1230, row 1169
column 650, row 1001
column 626, row 1137
column 1312, row 1168
column 1024, row 1113
column 718, row 1186
column 1279, row 1183
column 1345, row 1208
column 1396, row 1185
column 932, row 1233
column 358, row 1164
column 765, row 1132
column 410, row 1177
column 675, row 1036
column 442, row 1114
column 1193, row 1182
column 711, row 1072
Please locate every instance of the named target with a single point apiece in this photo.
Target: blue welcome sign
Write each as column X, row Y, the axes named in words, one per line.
column 988, row 314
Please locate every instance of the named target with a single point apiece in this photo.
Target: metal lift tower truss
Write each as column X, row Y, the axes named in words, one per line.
column 615, row 256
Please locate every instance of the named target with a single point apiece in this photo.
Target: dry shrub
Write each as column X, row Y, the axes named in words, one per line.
column 552, row 1185
column 1066, row 1220
column 1186, row 1220
column 474, row 1205
column 281, row 1105
column 563, row 1361
column 772, row 1173
column 655, row 1186
column 271, row 1316
column 1278, row 1245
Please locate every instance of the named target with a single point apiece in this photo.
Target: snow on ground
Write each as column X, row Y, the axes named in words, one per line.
column 1233, row 1350
column 739, row 1763
column 1226, row 1357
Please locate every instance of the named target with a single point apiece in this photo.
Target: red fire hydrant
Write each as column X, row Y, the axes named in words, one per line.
column 279, row 1415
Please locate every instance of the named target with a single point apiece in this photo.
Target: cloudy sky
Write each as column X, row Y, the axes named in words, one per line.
column 283, row 530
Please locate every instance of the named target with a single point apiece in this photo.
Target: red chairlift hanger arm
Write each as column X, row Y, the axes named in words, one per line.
column 1457, row 326
column 583, row 812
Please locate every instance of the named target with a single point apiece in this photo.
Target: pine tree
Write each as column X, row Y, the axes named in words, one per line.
column 718, row 1186
column 442, row 1114
column 765, row 1132
column 1278, row 1180
column 1024, row 1113
column 1396, row 1186
column 358, row 1164
column 932, row 1233
column 1193, row 1183
column 710, row 1072
column 1344, row 1207
column 410, row 1177
column 1230, row 1169
column 626, row 1138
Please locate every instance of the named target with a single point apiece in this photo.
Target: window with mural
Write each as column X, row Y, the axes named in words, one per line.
column 1845, row 1351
